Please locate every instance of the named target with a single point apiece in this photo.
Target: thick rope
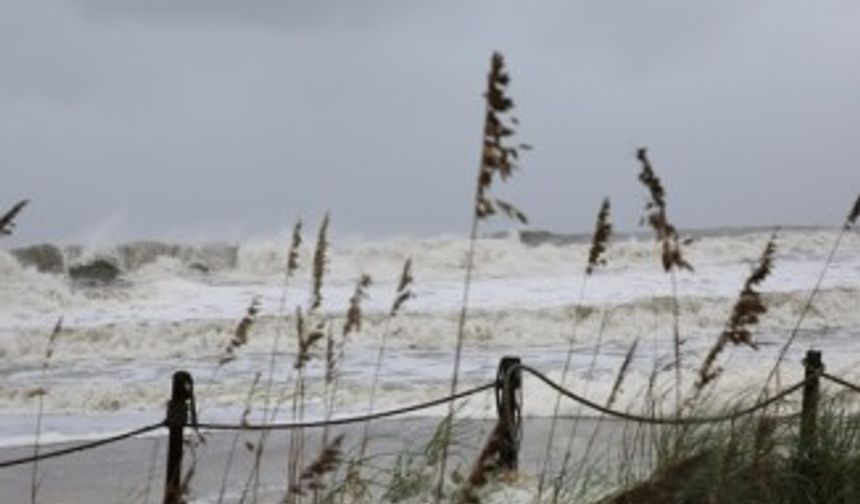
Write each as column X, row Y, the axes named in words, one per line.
column 656, row 420
column 81, row 447
column 347, row 420
column 429, row 404
column 840, row 381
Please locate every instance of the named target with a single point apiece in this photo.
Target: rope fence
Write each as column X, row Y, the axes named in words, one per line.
column 677, row 421
column 507, row 385
column 81, row 447
column 247, row 427
column 840, row 381
column 347, row 420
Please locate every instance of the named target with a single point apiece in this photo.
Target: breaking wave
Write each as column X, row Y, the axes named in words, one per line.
column 178, row 305
column 514, row 254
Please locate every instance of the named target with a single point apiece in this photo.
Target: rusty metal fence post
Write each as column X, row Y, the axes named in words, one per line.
column 509, row 408
column 177, row 418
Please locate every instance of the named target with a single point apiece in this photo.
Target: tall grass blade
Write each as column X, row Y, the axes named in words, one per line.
column 498, row 160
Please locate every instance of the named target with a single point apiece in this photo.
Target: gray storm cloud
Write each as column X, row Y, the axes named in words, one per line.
column 157, row 118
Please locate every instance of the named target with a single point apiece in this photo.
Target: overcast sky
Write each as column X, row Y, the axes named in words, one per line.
column 218, row 118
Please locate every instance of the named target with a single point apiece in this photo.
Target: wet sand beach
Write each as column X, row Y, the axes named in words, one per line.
column 133, row 471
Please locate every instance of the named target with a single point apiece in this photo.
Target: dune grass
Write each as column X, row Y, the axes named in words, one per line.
column 753, row 461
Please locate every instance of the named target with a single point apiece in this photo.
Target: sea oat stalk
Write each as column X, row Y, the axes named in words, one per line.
column 671, row 256
column 327, row 461
column 40, row 393
column 354, row 315
column 402, row 294
column 306, row 339
column 293, row 251
column 622, row 373
column 335, row 351
column 290, row 268
column 240, row 335
column 850, row 221
column 319, row 264
column 600, row 238
column 610, row 402
column 657, row 217
column 745, row 314
column 7, row 220
column 596, row 258
column 498, row 159
column 243, row 420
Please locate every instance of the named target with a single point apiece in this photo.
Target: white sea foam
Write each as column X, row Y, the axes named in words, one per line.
column 121, row 342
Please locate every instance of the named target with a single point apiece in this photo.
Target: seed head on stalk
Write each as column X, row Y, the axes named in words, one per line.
column 656, row 217
column 498, row 157
column 851, row 220
column 319, row 264
column 7, row 220
column 600, row 239
column 293, row 252
column 746, row 312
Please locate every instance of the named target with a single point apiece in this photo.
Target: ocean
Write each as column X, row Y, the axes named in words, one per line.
column 176, row 306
